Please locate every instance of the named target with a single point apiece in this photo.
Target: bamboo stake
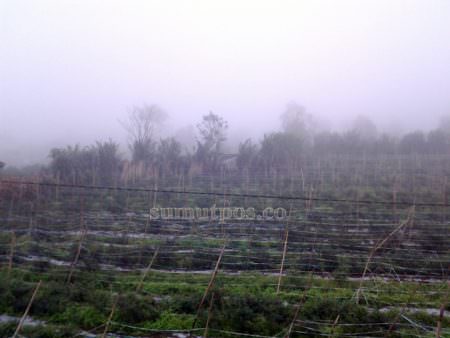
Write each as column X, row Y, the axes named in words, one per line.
column 21, row 189
column 111, row 314
column 11, row 253
column 10, row 210
column 147, row 224
column 444, row 191
column 394, row 199
column 155, row 187
column 25, row 314
column 378, row 246
column 213, row 276
column 30, row 223
column 334, row 326
column 211, row 302
column 77, row 256
column 80, row 244
column 444, row 198
column 441, row 312
column 186, row 196
column 308, row 202
column 282, row 259
column 138, row 288
column 210, row 284
column 298, row 307
column 57, row 187
column 247, row 183
column 280, row 276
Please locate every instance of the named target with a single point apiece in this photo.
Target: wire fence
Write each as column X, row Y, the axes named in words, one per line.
column 384, row 254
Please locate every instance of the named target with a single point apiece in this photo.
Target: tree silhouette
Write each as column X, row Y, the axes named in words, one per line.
column 142, row 127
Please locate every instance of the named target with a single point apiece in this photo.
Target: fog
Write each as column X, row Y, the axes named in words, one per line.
column 70, row 70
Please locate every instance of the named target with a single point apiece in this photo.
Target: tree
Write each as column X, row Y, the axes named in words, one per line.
column 169, row 155
column 142, row 127
column 328, row 142
column 386, row 144
column 186, row 136
column 365, row 128
column 108, row 161
column 296, row 121
column 281, row 151
column 72, row 164
column 444, row 124
column 99, row 163
column 413, row 143
column 438, row 142
column 247, row 155
column 212, row 131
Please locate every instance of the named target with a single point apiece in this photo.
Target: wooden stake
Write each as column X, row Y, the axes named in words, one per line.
column 155, row 188
column 283, row 258
column 210, row 284
column 30, row 223
column 286, row 234
column 11, row 253
column 25, row 314
column 299, row 305
column 111, row 314
column 57, row 187
column 394, row 199
column 441, row 312
column 10, row 210
column 138, row 288
column 303, row 180
column 211, row 302
column 378, row 246
column 77, row 256
column 334, row 325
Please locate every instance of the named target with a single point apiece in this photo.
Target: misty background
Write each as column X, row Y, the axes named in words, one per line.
column 71, row 70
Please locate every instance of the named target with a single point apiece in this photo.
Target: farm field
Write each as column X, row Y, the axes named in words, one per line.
column 362, row 251
column 225, row 169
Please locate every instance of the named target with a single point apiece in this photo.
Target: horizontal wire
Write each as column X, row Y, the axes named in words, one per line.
column 280, row 197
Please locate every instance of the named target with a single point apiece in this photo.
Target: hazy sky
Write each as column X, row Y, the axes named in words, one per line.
column 70, row 69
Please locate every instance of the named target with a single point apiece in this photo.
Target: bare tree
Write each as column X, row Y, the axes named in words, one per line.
column 142, row 127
